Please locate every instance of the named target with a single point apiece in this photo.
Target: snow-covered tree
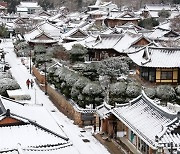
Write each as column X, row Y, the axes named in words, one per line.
column 150, row 92
column 22, row 49
column 175, row 23
column 114, row 66
column 92, row 93
column 118, row 88
column 133, row 89
column 165, row 92
column 8, row 84
column 5, row 75
column 81, row 83
column 71, row 78
column 77, row 53
column 164, row 13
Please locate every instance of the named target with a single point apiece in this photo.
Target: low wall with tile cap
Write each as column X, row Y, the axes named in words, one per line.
column 70, row 109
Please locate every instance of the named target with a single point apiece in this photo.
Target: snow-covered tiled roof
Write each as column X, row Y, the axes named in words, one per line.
column 35, row 130
column 165, row 26
column 154, row 14
column 97, row 12
column 104, row 41
column 31, row 136
column 39, row 113
column 161, row 34
column 45, row 27
column 28, row 4
column 156, row 57
column 118, row 42
column 144, row 118
column 157, row 33
column 32, row 34
column 126, row 41
column 157, row 7
column 57, row 18
column 72, row 32
column 22, row 9
column 103, row 109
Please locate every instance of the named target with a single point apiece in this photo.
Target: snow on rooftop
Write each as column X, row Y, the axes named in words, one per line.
column 39, row 114
column 158, row 57
column 22, row 9
column 17, row 94
column 28, row 4
column 123, row 44
column 27, row 135
column 144, row 118
column 32, row 34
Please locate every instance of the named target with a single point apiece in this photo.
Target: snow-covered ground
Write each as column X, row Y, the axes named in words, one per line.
column 73, row 132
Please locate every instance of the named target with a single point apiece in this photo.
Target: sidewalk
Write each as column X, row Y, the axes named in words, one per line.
column 118, row 147
column 113, row 148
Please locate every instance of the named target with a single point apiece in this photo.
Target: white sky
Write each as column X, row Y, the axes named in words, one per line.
column 21, row 74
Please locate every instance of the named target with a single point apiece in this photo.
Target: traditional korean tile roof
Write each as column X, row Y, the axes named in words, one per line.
column 29, row 4
column 163, row 57
column 126, row 41
column 158, row 7
column 104, row 41
column 25, row 110
column 70, row 35
column 117, row 42
column 45, row 27
column 31, row 133
column 97, row 12
column 146, row 119
column 58, row 17
column 127, row 16
column 160, row 34
column 103, row 109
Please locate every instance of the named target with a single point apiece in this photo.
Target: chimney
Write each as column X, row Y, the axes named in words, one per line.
column 8, row 112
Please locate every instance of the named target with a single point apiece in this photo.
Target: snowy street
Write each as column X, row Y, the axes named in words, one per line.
column 73, row 132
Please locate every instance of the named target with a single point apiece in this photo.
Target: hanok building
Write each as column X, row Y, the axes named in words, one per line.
column 25, row 8
column 113, row 45
column 41, row 38
column 121, row 19
column 29, row 129
column 141, row 125
column 161, row 35
column 152, row 10
column 100, row 9
column 157, row 64
column 75, row 34
column 44, row 33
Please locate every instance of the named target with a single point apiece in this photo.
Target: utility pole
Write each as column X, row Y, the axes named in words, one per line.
column 171, row 147
column 30, row 62
column 45, row 70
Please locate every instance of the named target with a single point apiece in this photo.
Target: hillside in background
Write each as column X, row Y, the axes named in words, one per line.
column 81, row 4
